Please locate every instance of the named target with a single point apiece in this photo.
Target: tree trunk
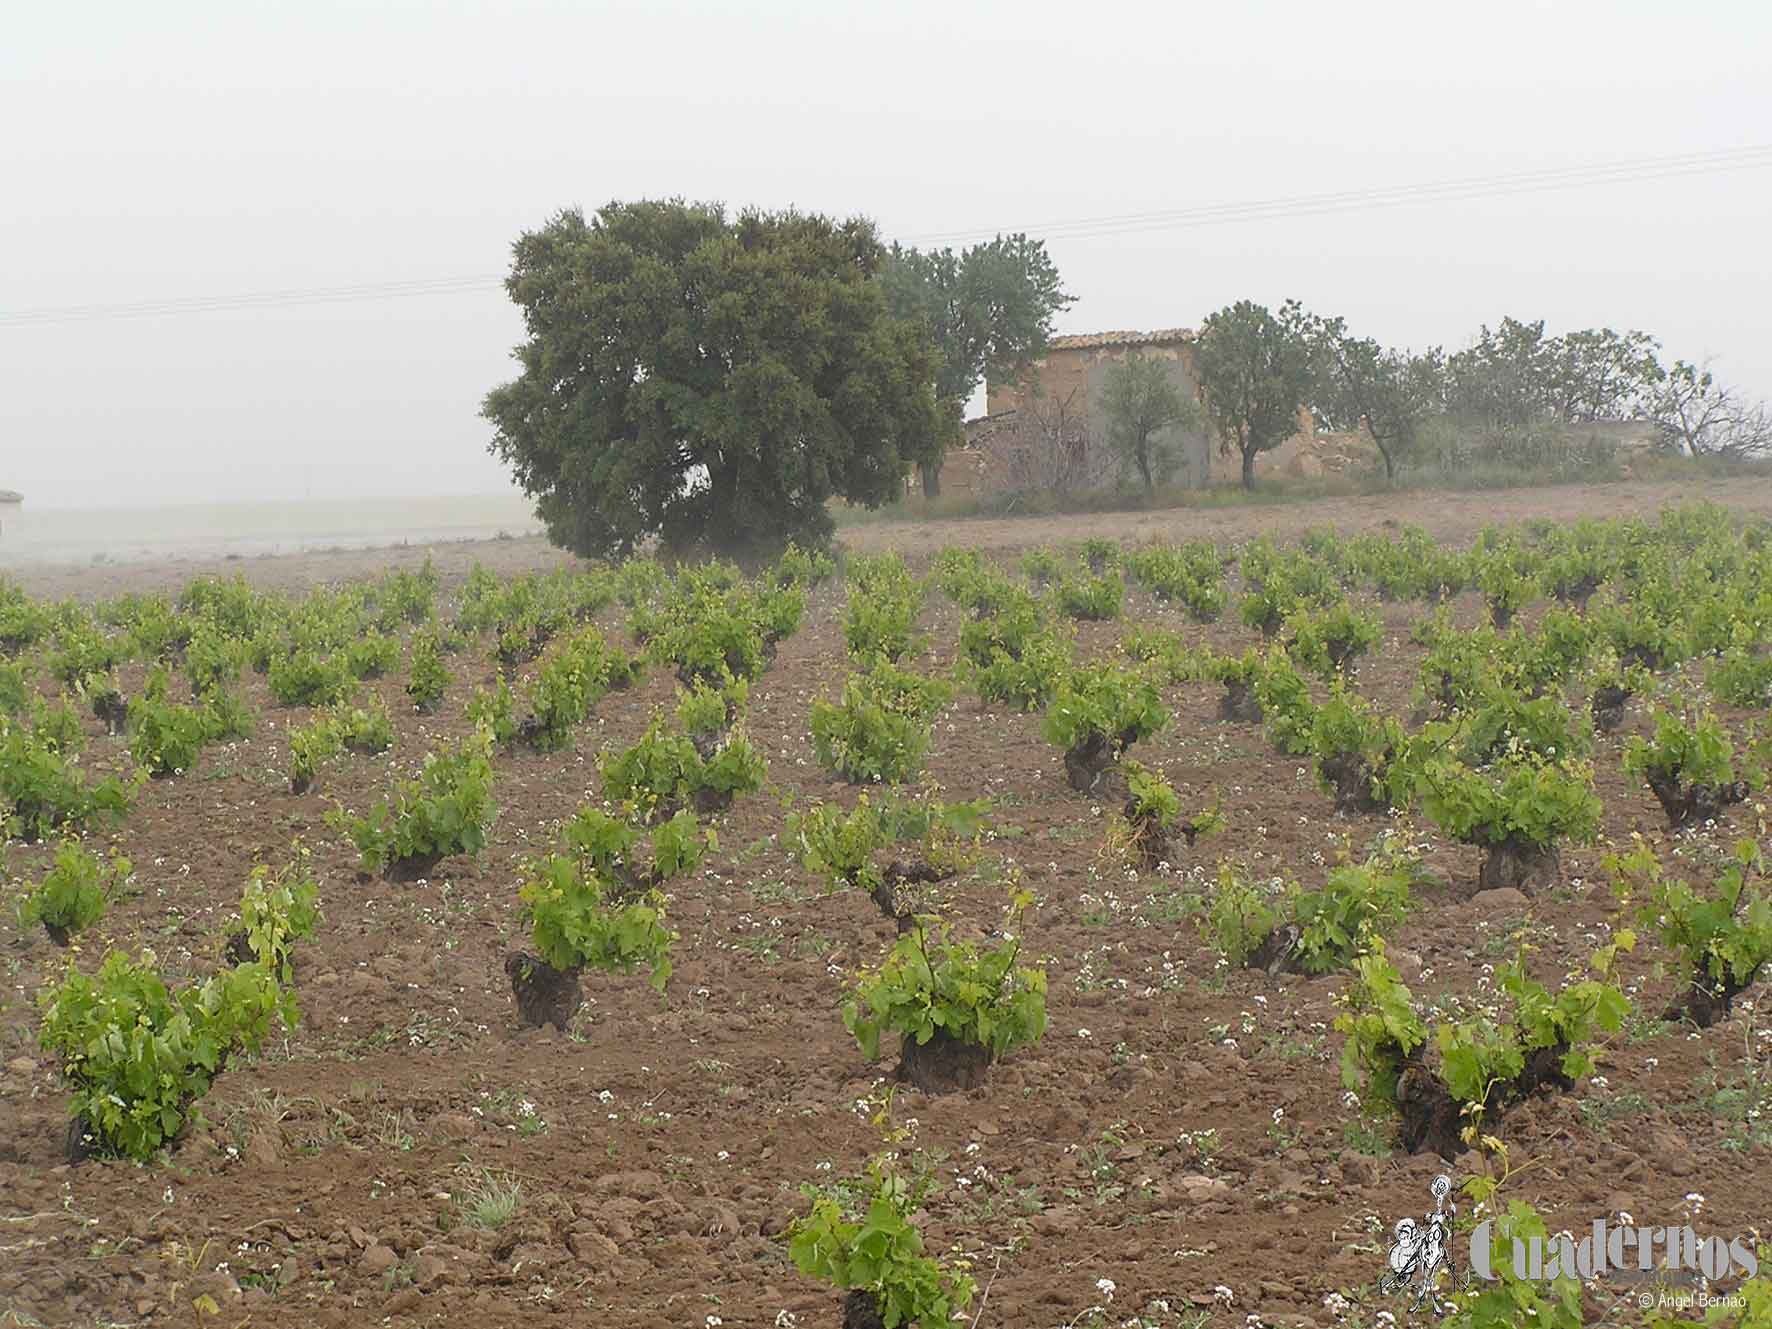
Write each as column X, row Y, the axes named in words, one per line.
column 1144, row 469
column 931, row 473
column 1249, row 468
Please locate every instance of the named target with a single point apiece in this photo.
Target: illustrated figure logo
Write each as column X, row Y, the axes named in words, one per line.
column 1421, row 1250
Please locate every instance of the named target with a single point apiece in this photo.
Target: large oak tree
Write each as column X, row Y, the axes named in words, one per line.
column 713, row 382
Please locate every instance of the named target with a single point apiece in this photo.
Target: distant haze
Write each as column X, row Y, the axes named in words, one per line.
column 160, row 153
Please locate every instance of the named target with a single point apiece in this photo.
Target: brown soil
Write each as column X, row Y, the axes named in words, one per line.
column 667, row 1140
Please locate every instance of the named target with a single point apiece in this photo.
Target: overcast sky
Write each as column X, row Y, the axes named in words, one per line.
column 167, row 152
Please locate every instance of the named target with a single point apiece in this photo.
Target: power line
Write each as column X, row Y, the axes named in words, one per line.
column 286, row 299
column 1625, row 171
column 1628, row 171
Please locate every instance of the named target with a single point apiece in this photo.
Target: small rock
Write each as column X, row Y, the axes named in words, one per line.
column 454, row 1125
column 407, row 1299
column 1499, row 900
column 264, row 1151
column 1196, row 1187
column 1358, row 1170
column 377, row 1260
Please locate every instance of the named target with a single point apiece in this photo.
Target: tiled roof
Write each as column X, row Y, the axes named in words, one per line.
column 1092, row 340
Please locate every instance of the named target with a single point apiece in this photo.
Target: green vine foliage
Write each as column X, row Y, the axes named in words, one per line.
column 278, row 909
column 879, row 1252
column 137, row 1056
column 973, row 995
column 1287, row 709
column 1519, row 799
column 879, row 731
column 844, row 846
column 1690, row 752
column 1104, row 703
column 428, row 678
column 1328, row 641
column 597, row 902
column 446, row 810
column 1722, row 934
column 72, row 895
column 42, row 789
column 1357, row 903
column 1378, row 1018
column 664, row 771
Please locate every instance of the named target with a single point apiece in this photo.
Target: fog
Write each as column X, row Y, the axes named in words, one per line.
column 188, row 152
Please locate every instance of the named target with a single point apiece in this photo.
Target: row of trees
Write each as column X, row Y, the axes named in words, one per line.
column 715, row 381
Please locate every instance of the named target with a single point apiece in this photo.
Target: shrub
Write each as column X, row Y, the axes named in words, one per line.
column 226, row 716
column 1041, row 565
column 1517, row 810
column 878, row 1257
column 879, row 730
column 1146, row 827
column 45, row 790
column 405, row 597
column 969, row 581
column 138, row 1056
column 577, row 674
column 1281, row 927
column 15, row 686
column 371, row 655
column 427, row 676
column 1191, row 575
column 1507, row 589
column 72, row 895
column 302, row 678
column 1354, row 748
column 1503, row 723
column 495, row 711
column 1091, row 598
column 1098, row 712
column 364, row 729
column 309, row 745
column 1168, row 657
column 1329, row 641
column 1287, row 710
column 167, row 738
column 881, row 623
column 1689, row 766
column 665, row 772
column 802, row 568
column 276, row 911
column 845, row 847
column 446, row 810
column 591, row 906
column 212, row 659
column 953, row 994
column 58, row 725
column 1485, row 1064
column 1723, row 934
column 1739, row 677
column 704, row 712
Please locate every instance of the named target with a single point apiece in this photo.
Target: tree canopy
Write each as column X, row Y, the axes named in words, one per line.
column 987, row 309
column 1256, row 370
column 1358, row 381
column 710, row 381
column 1142, row 402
